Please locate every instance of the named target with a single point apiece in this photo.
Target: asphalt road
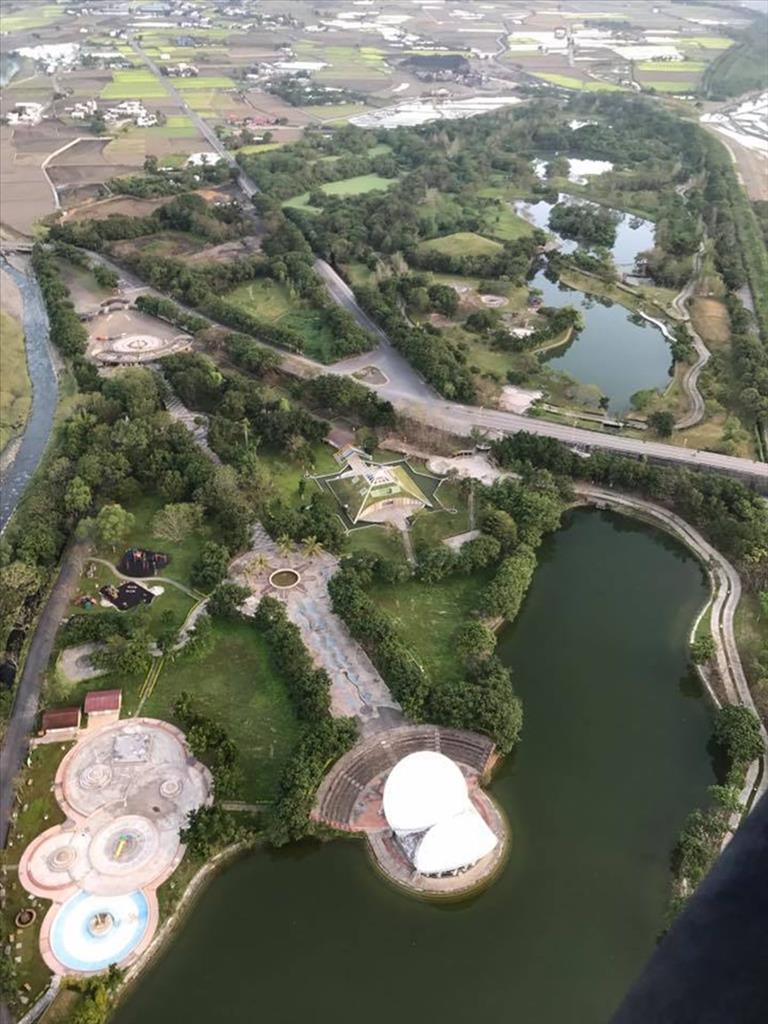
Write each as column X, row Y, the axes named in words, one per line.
column 25, row 706
column 410, row 394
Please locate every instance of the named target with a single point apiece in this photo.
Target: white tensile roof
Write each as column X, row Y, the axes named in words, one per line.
column 455, row 843
column 422, row 790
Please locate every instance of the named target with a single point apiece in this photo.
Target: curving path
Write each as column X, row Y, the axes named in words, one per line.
column 690, row 379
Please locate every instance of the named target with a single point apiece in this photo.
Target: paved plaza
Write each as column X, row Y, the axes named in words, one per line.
column 126, row 791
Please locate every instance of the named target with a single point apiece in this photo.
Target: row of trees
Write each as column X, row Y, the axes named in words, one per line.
column 323, row 739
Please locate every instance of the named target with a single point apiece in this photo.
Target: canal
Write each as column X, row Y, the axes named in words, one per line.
column 612, row 759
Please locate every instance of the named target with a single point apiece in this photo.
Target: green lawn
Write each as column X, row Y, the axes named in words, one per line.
column 376, row 540
column 462, row 243
column 38, row 812
column 428, row 615
column 15, row 387
column 431, row 526
column 271, row 301
column 136, row 84
column 504, row 223
column 238, row 685
column 346, row 187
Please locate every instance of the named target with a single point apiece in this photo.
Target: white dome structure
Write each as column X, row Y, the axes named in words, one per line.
column 427, row 805
column 454, row 844
column 423, row 789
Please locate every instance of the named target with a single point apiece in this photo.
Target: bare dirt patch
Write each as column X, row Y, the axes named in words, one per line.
column 127, row 336
column 126, row 205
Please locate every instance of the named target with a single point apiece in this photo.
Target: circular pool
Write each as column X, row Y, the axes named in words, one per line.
column 284, row 579
column 91, row 932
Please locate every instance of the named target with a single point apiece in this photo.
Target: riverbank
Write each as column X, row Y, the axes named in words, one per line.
column 15, row 385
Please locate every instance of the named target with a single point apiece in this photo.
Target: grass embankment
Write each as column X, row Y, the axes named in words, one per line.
column 751, row 629
column 15, row 386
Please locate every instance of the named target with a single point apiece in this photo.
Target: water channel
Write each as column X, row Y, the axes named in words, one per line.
column 45, row 386
column 616, row 352
column 613, row 757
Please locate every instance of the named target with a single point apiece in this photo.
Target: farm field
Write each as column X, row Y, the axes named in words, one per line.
column 462, row 243
column 36, row 15
column 136, row 84
column 333, row 112
column 203, row 82
column 569, row 82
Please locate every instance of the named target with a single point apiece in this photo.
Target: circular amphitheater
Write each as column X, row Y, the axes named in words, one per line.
column 356, row 796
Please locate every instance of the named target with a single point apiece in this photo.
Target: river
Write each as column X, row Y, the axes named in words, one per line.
column 612, row 759
column 45, row 387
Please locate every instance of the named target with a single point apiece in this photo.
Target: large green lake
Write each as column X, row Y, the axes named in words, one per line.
column 613, row 757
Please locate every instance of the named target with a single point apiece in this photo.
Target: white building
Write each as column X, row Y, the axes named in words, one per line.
column 426, row 804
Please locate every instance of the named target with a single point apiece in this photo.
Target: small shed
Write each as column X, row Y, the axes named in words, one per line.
column 61, row 722
column 103, row 707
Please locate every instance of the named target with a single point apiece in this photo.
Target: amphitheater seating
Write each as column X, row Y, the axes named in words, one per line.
column 352, row 774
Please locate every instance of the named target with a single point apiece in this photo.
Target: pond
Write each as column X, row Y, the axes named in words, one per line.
column 617, row 352
column 633, row 234
column 612, row 759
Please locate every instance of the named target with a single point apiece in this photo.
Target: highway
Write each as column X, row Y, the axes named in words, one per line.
column 412, row 396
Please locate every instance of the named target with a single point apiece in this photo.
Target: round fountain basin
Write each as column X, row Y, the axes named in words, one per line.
column 284, row 579
column 91, row 932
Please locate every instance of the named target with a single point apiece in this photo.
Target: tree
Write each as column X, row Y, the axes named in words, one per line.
column 112, row 523
column 225, row 601
column 105, row 277
column 210, row 829
column 211, row 567
column 312, row 546
column 128, row 655
column 77, row 497
column 663, row 423
column 284, row 544
column 174, row 522
column 703, row 649
column 737, row 736
column 474, row 640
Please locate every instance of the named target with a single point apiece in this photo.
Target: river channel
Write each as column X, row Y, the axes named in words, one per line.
column 45, row 388
column 615, row 352
column 612, row 759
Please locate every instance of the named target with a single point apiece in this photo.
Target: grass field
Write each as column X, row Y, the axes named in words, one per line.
column 505, row 224
column 15, row 387
column 260, row 147
column 430, row 527
column 137, row 84
column 462, row 243
column 710, row 42
column 569, row 82
column 271, row 301
column 238, row 685
column 346, row 187
column 263, row 297
column 427, row 618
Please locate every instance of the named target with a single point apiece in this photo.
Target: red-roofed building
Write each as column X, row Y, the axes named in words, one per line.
column 63, row 722
column 103, row 707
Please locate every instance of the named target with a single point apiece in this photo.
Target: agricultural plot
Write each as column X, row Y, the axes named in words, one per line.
column 569, row 82
column 335, row 112
column 136, row 84
column 203, row 82
column 35, row 15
